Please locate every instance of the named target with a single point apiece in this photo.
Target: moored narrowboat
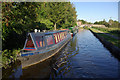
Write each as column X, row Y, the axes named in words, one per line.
column 73, row 30
column 41, row 45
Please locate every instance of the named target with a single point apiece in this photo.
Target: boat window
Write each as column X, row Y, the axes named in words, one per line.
column 55, row 38
column 58, row 37
column 49, row 39
column 29, row 44
column 63, row 35
column 39, row 41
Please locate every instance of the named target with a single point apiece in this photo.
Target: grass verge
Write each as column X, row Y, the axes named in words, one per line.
column 112, row 31
column 115, row 42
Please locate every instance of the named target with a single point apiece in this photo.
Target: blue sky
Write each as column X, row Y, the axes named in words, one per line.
column 96, row 11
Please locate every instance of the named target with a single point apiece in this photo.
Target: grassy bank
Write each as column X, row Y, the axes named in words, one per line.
column 110, row 39
column 112, row 31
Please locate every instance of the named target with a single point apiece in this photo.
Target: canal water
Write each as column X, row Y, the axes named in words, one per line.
column 83, row 57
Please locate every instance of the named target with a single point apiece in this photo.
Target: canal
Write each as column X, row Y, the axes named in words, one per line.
column 83, row 57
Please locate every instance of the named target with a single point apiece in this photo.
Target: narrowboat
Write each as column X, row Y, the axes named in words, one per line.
column 73, row 30
column 40, row 46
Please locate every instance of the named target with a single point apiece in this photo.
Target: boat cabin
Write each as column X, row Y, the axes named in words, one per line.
column 40, row 40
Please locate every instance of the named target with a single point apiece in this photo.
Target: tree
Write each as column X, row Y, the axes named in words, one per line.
column 110, row 23
column 102, row 23
column 83, row 21
column 42, row 14
column 17, row 19
column 55, row 12
column 61, row 12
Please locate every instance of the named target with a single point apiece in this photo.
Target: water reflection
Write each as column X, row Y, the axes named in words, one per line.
column 83, row 57
column 15, row 71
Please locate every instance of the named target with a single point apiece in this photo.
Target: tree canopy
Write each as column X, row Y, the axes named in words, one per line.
column 19, row 18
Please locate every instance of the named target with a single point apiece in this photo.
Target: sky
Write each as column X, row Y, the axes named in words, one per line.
column 96, row 11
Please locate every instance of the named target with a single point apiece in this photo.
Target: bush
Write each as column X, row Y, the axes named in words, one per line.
column 8, row 57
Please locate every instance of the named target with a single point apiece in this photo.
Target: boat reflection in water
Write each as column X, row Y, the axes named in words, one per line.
column 15, row 71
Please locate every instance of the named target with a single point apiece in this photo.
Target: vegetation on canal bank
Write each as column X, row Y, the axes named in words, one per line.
column 86, row 27
column 110, row 31
column 9, row 57
column 20, row 18
column 110, row 24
